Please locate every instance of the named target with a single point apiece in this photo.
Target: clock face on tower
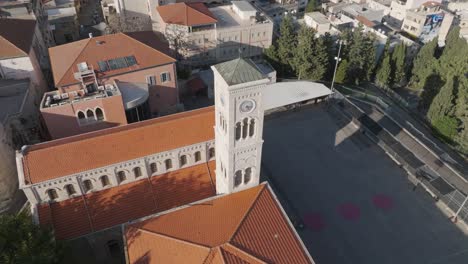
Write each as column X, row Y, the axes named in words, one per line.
column 247, row 106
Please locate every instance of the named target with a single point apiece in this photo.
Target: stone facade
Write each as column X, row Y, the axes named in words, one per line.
column 41, row 192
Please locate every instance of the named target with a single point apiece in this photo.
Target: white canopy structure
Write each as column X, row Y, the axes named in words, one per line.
column 285, row 93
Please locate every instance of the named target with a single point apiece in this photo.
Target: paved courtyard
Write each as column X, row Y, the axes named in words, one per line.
column 356, row 203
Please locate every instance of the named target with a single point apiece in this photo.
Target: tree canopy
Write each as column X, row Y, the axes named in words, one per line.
column 360, row 54
column 23, row 242
column 311, row 58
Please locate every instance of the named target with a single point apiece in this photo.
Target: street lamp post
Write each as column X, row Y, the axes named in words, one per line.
column 337, row 58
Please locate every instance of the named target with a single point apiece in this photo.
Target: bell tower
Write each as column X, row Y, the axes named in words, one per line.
column 239, row 124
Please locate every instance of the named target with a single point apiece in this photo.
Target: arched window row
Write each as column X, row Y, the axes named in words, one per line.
column 245, row 129
column 125, row 175
column 243, row 176
column 90, row 116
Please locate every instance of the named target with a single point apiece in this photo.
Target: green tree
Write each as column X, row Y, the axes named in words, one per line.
column 360, row 55
column 312, row 6
column 271, row 55
column 423, row 65
column 286, row 45
column 328, row 42
column 342, row 72
column 399, row 65
column 23, row 242
column 384, row 73
column 310, row 58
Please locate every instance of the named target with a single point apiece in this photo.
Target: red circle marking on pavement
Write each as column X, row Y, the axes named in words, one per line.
column 382, row 201
column 349, row 211
column 314, row 221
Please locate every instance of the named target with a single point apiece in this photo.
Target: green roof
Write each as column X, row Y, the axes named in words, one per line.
column 239, row 71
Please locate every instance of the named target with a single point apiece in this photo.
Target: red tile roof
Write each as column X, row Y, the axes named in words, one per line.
column 243, row 227
column 104, row 209
column 186, row 14
column 365, row 21
column 88, row 151
column 64, row 58
column 16, row 37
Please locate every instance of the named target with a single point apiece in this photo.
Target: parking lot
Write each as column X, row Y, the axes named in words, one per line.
column 356, row 203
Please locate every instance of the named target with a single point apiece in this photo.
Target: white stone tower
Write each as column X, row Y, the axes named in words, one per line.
column 239, row 124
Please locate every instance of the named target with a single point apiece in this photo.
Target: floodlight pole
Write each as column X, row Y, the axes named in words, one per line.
column 337, row 58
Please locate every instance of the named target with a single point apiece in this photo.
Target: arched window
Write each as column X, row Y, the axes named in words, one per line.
column 52, row 193
column 88, row 185
column 121, row 176
column 197, row 156
column 89, row 114
column 183, row 160
column 70, row 189
column 252, row 128
column 168, row 164
column 245, row 126
column 104, row 180
column 211, row 153
column 99, row 114
column 247, row 175
column 238, row 130
column 237, row 178
column 137, row 172
column 81, row 116
column 153, row 167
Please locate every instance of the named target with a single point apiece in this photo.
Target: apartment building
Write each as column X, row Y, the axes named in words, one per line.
column 202, row 35
column 20, row 52
column 427, row 22
column 109, row 81
column 63, row 20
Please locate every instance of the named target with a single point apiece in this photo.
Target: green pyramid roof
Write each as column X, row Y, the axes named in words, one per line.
column 239, row 71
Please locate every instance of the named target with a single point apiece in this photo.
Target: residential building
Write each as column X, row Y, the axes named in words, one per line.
column 63, row 20
column 318, row 21
column 109, row 81
column 383, row 5
column 427, row 22
column 136, row 14
column 463, row 23
column 90, row 186
column 19, row 126
column 399, row 8
column 20, row 53
column 278, row 9
column 202, row 35
column 32, row 9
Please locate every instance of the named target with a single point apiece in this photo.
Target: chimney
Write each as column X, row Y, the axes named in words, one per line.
column 90, row 35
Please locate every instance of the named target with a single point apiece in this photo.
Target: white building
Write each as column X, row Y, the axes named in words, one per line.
column 202, row 35
column 318, row 21
column 399, row 8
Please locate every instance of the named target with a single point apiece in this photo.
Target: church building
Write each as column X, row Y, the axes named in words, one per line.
column 183, row 188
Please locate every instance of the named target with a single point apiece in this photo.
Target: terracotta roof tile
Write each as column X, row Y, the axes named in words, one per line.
column 16, row 37
column 365, row 21
column 262, row 234
column 187, row 14
column 104, row 209
column 215, row 257
column 182, row 186
column 157, row 248
column 120, row 204
column 70, row 218
column 88, row 151
column 245, row 227
column 64, row 58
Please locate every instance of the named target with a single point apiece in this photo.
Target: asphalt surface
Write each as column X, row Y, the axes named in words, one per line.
column 356, row 203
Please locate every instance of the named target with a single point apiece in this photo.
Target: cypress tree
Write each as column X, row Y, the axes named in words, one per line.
column 423, row 64
column 311, row 59
column 342, row 72
column 286, row 45
column 384, row 73
column 398, row 62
